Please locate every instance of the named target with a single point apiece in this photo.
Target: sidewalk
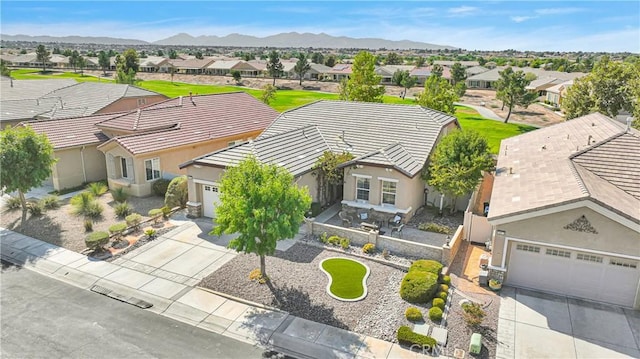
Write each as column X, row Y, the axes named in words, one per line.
column 179, row 298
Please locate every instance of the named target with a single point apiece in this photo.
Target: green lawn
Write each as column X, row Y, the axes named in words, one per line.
column 33, row 74
column 346, row 277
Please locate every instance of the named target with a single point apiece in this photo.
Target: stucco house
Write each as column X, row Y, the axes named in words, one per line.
column 391, row 144
column 556, row 93
column 545, row 79
column 150, row 143
column 565, row 209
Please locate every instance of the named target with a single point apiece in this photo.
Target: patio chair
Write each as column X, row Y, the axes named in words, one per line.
column 397, row 229
column 346, row 219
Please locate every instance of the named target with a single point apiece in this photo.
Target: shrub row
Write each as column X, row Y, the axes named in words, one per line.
column 434, row 227
column 406, row 336
column 335, row 240
column 429, row 266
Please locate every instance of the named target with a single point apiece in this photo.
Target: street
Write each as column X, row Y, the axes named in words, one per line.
column 42, row 317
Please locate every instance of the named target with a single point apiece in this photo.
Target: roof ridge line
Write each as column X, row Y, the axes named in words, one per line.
column 597, row 144
column 576, row 175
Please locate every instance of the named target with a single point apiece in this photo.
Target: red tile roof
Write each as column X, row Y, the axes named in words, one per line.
column 71, row 132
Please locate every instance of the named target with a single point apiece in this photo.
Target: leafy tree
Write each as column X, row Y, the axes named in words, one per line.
column 510, row 88
column 317, row 58
column 23, row 52
column 67, row 52
column 460, row 88
column 438, row 95
column 199, row 55
column 91, row 53
column 328, row 174
column 26, row 159
column 130, row 60
column 172, row 71
column 268, row 93
column 330, row 61
column 364, row 84
column 143, row 54
column 302, row 67
column 173, row 54
column 274, row 66
column 104, row 61
column 177, row 193
column 127, row 67
column 56, row 51
column 73, row 59
column 236, row 75
column 262, row 204
column 404, row 79
column 43, row 56
column 160, row 53
column 4, row 68
column 111, row 53
column 458, row 73
column 437, row 70
column 248, row 56
column 393, row 59
column 81, row 62
column 420, row 61
column 455, row 167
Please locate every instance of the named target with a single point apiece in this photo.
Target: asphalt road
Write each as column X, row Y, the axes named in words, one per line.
column 42, row 317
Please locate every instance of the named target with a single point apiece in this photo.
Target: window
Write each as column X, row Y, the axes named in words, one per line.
column 589, row 258
column 621, row 263
column 123, row 166
column 558, row 253
column 388, row 193
column 152, row 169
column 142, row 101
column 362, row 188
column 528, row 248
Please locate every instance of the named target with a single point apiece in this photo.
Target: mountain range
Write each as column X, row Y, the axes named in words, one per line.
column 289, row 39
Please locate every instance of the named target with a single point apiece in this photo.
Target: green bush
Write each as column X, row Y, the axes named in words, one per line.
column 166, row 212
column 435, row 314
column 123, row 209
column 446, row 280
column 442, row 295
column 324, row 238
column 117, row 229
column 344, row 243
column 334, row 240
column 51, row 202
column 418, row 287
column 438, row 302
column 369, row 248
column 97, row 189
column 160, row 186
column 434, row 227
column 81, row 203
column 156, row 214
column 88, row 225
column 406, row 336
column 151, row 233
column 473, row 314
column 119, row 194
column 13, row 203
column 94, row 210
column 316, row 208
column 443, row 288
column 133, row 220
column 429, row 266
column 177, row 193
column 97, row 240
column 35, row 208
column 413, row 314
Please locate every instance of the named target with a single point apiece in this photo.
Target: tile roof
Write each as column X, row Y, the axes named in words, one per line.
column 192, row 63
column 182, row 121
column 30, row 89
column 585, row 158
column 320, row 68
column 224, row 64
column 11, row 110
column 494, row 74
column 559, row 87
column 71, row 132
column 542, row 82
column 341, row 69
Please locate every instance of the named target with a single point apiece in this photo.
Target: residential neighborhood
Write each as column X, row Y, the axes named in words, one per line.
column 368, row 192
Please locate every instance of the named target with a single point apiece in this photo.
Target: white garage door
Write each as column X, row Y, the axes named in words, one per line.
column 210, row 200
column 578, row 274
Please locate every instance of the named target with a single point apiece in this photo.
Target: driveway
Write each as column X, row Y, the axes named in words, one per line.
column 539, row 325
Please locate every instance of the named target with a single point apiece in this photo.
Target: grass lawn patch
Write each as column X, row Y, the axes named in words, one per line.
column 347, row 278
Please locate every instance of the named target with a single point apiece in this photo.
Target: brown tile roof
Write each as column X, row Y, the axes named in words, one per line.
column 182, row 121
column 71, row 132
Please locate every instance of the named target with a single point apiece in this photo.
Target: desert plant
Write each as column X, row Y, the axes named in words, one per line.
column 81, row 203
column 117, row 229
column 435, row 314
column 334, row 240
column 94, row 210
column 13, row 203
column 324, row 238
column 166, row 212
column 88, row 225
column 408, row 337
column 96, row 240
column 438, row 302
column 442, row 295
column 36, row 208
column 160, row 186
column 256, row 275
column 123, row 209
column 97, row 189
column 424, row 265
column 385, row 253
column 413, row 314
column 434, row 227
column 51, row 202
column 177, row 193
column 443, row 288
column 473, row 314
column 446, row 280
column 119, row 194
column 155, row 214
column 344, row 243
column 133, row 220
column 369, row 248
column 418, row 287
column 151, row 233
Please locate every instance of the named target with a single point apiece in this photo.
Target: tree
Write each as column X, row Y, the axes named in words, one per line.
column 248, row 56
column 302, row 67
column 104, row 61
column 393, row 59
column 317, row 58
column 173, row 54
column 438, row 95
column 268, row 93
column 56, row 51
column 4, row 68
column 458, row 73
column 328, row 174
column 172, row 71
column 456, row 165
column 420, row 61
column 364, row 84
column 237, row 76
column 437, row 70
column 67, row 52
column 274, row 66
column 43, row 56
column 160, row 53
column 26, row 159
column 261, row 203
column 404, row 79
column 127, row 67
column 81, row 62
column 73, row 59
column 199, row 55
column 177, row 193
column 330, row 61
column 510, row 88
column 460, row 89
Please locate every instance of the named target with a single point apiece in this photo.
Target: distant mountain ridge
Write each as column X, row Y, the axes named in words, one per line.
column 289, row 39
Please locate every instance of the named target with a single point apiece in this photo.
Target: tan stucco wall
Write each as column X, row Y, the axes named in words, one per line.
column 67, row 172
column 311, row 183
column 131, row 103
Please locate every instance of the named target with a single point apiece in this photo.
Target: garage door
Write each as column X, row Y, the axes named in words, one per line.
column 210, row 199
column 578, row 274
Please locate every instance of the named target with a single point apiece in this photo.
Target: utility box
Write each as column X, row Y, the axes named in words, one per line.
column 483, row 278
column 475, row 346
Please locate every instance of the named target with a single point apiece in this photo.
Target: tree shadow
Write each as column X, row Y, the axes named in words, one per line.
column 41, row 227
column 299, row 253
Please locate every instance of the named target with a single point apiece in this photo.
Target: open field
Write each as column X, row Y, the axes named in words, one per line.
column 33, row 74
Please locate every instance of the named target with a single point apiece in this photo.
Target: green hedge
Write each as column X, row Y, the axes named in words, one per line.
column 160, row 187
column 435, row 314
column 418, row 287
column 438, row 302
column 406, row 336
column 446, row 280
column 118, row 228
column 96, row 240
column 413, row 314
column 442, row 295
column 425, row 265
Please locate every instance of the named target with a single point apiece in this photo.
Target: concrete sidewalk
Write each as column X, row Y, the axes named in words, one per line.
column 139, row 278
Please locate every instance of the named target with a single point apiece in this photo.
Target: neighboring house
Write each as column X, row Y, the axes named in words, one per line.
column 474, row 70
column 540, row 85
column 421, row 74
column 225, row 67
column 449, row 63
column 557, row 92
column 317, row 72
column 487, row 79
column 192, row 66
column 340, row 72
column 565, row 208
column 60, row 62
column 391, row 144
column 150, row 143
column 150, row 63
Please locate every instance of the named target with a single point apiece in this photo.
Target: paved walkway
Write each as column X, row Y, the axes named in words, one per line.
column 164, row 273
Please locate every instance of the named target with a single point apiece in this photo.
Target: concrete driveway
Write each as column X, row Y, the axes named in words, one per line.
column 540, row 325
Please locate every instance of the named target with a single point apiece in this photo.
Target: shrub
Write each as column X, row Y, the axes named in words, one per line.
column 117, row 229
column 418, row 287
column 51, row 202
column 156, row 214
column 151, row 233
column 97, row 189
column 406, row 336
column 88, row 225
column 256, row 275
column 177, row 193
column 81, row 203
column 119, row 195
column 324, row 238
column 94, row 210
column 434, row 227
column 35, row 208
column 443, row 288
column 344, row 243
column 435, row 314
column 96, row 240
column 13, row 203
column 133, row 220
column 413, row 314
column 334, row 240
column 166, row 212
column 123, row 209
column 369, row 248
column 438, row 302
column 316, row 208
column 446, row 280
column 385, row 253
column 160, row 186
column 442, row 295
column 429, row 266
column 472, row 314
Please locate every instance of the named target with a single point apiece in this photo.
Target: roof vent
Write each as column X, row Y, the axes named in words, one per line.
column 180, row 101
column 589, row 140
column 629, row 120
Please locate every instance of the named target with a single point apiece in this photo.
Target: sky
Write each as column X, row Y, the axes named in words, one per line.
column 541, row 25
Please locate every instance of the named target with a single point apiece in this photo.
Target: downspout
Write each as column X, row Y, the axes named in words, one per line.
column 84, row 172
